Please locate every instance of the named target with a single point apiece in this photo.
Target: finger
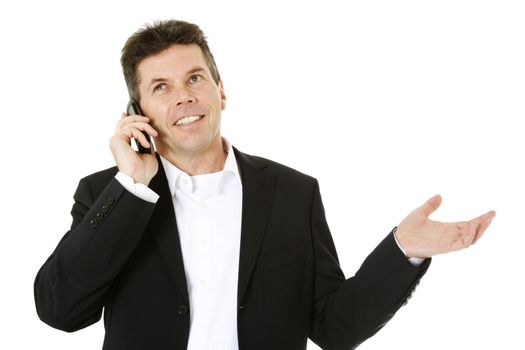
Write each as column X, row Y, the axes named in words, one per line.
column 142, row 126
column 431, row 205
column 483, row 222
column 132, row 119
column 470, row 237
column 124, row 114
column 483, row 226
column 130, row 132
column 138, row 135
column 138, row 125
column 489, row 214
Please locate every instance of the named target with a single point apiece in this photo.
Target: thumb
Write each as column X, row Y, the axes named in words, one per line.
column 431, row 205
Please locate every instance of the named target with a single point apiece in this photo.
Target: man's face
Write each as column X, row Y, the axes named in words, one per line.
column 181, row 99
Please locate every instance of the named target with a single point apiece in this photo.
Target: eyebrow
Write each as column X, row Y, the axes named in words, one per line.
column 190, row 72
column 195, row 70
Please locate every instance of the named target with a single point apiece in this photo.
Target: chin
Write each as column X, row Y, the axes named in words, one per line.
column 192, row 146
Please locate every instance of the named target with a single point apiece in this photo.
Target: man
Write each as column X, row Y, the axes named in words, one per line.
column 201, row 246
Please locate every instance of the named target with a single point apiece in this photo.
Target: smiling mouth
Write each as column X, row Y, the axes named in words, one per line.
column 188, row 120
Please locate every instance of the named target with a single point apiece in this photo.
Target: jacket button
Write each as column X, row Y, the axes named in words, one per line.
column 105, row 209
column 111, row 200
column 183, row 310
column 99, row 216
column 94, row 223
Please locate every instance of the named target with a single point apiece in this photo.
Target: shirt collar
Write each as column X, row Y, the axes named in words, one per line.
column 176, row 175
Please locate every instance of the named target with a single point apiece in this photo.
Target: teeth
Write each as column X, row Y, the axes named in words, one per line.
column 188, row 120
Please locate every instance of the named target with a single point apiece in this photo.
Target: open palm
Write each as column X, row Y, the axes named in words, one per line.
column 422, row 238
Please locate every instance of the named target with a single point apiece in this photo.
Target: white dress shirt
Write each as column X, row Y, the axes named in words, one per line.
column 208, row 211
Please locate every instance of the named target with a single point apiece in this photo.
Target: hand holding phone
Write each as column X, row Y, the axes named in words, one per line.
column 134, row 109
column 141, row 167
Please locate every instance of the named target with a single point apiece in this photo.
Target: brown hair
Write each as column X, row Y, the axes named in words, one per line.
column 152, row 39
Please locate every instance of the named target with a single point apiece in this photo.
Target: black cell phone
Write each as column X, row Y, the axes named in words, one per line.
column 134, row 109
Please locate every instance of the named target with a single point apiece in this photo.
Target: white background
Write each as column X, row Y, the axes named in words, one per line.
column 385, row 102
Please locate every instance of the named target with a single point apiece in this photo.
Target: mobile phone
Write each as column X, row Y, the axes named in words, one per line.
column 134, row 109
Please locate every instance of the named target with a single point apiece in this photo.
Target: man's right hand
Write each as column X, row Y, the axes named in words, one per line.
column 141, row 167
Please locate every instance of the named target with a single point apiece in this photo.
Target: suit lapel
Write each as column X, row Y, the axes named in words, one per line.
column 258, row 191
column 163, row 226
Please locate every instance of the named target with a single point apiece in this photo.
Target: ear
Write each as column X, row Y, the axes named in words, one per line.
column 223, row 96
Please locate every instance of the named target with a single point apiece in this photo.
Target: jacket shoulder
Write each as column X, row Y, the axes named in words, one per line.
column 276, row 169
column 99, row 180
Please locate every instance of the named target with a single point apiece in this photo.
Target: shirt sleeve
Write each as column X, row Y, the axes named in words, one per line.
column 140, row 190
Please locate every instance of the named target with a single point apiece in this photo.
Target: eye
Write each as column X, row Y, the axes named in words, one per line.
column 195, row 78
column 160, row 86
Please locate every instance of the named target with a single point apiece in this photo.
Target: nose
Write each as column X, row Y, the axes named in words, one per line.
column 184, row 96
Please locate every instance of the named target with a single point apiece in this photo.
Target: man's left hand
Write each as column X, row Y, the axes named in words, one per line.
column 421, row 237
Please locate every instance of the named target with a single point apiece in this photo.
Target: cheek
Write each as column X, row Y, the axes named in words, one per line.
column 216, row 113
column 157, row 115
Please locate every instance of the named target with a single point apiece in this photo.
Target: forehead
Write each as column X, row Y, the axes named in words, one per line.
column 171, row 62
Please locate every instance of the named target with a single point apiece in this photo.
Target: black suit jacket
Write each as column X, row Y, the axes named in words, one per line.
column 123, row 255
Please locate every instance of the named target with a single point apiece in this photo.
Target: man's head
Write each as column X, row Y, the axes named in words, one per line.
column 155, row 38
column 171, row 72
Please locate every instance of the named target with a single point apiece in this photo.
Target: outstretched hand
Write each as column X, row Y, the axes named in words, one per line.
column 421, row 237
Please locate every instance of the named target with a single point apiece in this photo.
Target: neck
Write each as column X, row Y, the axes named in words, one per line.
column 197, row 163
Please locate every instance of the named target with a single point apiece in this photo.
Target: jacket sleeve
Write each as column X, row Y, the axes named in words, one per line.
column 348, row 311
column 71, row 287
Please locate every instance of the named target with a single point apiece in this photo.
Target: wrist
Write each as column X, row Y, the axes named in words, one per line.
column 396, row 238
column 413, row 260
